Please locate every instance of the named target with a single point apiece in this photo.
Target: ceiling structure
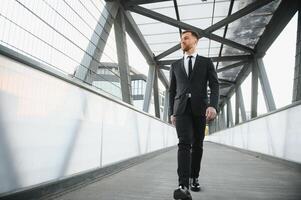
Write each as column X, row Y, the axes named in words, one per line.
column 233, row 32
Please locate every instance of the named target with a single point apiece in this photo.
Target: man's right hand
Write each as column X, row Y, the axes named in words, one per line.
column 173, row 120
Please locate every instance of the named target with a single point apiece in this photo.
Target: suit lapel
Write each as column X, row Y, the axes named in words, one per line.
column 183, row 68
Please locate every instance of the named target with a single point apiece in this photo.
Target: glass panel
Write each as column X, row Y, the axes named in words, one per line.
column 190, row 10
column 247, row 29
column 230, row 51
column 47, row 30
column 164, row 8
column 173, row 38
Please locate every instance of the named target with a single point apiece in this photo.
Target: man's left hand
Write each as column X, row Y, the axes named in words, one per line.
column 210, row 113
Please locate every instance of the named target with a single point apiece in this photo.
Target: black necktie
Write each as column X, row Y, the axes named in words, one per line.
column 189, row 66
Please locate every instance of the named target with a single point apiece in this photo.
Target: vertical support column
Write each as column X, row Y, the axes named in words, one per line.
column 265, row 85
column 149, row 87
column 229, row 114
column 237, row 100
column 166, row 105
column 218, row 127
column 254, row 91
column 297, row 74
column 223, row 120
column 220, row 121
column 156, row 94
column 123, row 63
column 242, row 105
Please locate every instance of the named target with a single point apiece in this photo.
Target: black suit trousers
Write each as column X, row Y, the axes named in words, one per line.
column 191, row 132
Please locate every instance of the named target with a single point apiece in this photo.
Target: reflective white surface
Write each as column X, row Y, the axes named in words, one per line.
column 277, row 134
column 51, row 129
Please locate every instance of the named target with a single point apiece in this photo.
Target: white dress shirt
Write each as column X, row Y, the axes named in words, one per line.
column 186, row 60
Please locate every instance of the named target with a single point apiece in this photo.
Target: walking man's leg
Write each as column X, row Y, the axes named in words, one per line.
column 184, row 128
column 199, row 124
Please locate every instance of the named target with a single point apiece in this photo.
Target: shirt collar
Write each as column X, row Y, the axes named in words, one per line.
column 193, row 55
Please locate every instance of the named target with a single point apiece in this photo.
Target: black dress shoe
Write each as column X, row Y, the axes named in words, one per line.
column 194, row 185
column 182, row 193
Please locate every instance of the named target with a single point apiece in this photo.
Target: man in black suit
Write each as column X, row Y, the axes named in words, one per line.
column 189, row 110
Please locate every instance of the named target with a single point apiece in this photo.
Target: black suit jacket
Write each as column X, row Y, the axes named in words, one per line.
column 203, row 72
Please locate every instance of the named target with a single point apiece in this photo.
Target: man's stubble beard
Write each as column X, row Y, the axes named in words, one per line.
column 186, row 48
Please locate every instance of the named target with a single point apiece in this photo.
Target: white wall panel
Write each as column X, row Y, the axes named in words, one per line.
column 51, row 129
column 277, row 134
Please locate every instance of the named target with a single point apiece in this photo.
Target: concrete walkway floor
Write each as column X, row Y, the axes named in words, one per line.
column 227, row 174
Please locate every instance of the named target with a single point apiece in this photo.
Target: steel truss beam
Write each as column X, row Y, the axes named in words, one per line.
column 182, row 25
column 254, row 90
column 241, row 105
column 248, row 9
column 156, row 94
column 265, row 85
column 238, row 64
column 92, row 63
column 122, row 54
column 136, row 35
column 279, row 20
column 229, row 114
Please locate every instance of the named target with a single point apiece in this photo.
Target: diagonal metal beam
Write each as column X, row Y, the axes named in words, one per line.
column 96, row 51
column 156, row 94
column 136, row 35
column 279, row 20
column 222, row 86
column 265, row 85
column 134, row 32
column 238, row 64
column 168, row 52
column 246, row 10
column 122, row 56
column 179, row 24
column 226, row 81
column 177, row 13
column 297, row 73
column 164, row 67
column 231, row 58
column 225, row 32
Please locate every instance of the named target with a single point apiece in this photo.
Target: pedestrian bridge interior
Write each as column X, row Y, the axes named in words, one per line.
column 83, row 99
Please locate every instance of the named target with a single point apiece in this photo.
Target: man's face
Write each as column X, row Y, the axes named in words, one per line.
column 188, row 41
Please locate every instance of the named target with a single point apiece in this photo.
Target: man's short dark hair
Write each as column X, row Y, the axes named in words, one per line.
column 195, row 34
